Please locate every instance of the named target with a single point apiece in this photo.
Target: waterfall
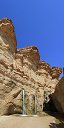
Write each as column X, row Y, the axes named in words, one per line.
column 24, row 109
column 23, row 93
column 23, row 103
column 35, row 104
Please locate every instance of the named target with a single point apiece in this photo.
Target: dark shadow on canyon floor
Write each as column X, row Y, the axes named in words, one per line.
column 50, row 109
column 54, row 125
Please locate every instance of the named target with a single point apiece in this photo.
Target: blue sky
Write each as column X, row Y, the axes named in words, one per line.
column 39, row 23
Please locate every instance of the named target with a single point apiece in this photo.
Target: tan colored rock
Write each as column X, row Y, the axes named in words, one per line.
column 58, row 96
column 7, row 33
column 32, row 54
column 12, row 103
column 22, row 69
column 46, row 66
column 56, row 71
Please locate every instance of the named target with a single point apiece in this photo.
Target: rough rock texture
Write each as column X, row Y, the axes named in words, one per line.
column 12, row 102
column 21, row 69
column 58, row 96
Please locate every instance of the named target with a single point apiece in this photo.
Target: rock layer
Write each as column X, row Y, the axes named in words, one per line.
column 21, row 68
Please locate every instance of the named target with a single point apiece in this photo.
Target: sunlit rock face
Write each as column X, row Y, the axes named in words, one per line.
column 7, row 42
column 21, row 69
column 7, row 34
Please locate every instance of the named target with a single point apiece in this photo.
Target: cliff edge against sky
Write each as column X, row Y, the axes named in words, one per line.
column 22, row 69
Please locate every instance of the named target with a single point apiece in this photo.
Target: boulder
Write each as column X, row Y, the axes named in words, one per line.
column 58, row 96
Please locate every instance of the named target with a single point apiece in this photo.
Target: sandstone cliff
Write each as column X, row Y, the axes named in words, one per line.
column 58, row 96
column 21, row 69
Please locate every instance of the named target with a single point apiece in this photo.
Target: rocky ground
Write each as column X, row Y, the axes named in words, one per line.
column 17, row 121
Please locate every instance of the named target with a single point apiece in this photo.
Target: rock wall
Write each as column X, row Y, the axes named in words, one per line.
column 58, row 96
column 21, row 69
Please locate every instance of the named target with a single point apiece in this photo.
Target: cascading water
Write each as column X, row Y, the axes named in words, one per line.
column 23, row 93
column 35, row 109
column 24, row 107
column 35, row 104
column 23, row 103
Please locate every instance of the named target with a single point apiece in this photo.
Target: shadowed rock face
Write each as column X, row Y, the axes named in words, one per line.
column 58, row 96
column 22, row 69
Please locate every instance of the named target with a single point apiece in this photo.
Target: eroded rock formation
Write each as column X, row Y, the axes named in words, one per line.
column 21, row 69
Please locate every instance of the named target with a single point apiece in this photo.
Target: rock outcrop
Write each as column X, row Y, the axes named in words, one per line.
column 21, row 68
column 58, row 96
column 12, row 102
